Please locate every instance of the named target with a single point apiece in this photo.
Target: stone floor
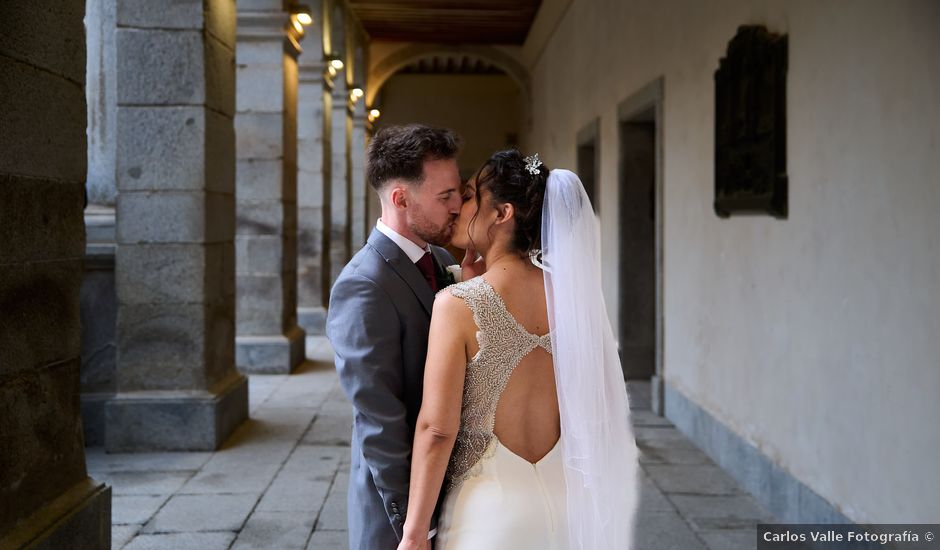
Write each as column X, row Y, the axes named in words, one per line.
column 280, row 481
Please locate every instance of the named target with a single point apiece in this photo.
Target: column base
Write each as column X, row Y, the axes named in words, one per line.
column 175, row 420
column 312, row 320
column 278, row 354
column 80, row 518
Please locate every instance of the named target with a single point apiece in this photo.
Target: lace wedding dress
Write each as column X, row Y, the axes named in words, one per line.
column 494, row 498
column 583, row 494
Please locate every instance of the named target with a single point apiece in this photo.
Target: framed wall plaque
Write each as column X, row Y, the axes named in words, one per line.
column 750, row 125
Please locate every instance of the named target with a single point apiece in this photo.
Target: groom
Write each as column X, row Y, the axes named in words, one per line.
column 379, row 316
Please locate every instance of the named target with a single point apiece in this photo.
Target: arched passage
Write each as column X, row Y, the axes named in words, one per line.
column 480, row 92
column 386, row 67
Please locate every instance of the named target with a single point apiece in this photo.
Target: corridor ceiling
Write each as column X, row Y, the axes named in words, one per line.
column 447, row 21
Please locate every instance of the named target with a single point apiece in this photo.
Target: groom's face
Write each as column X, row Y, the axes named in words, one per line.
column 435, row 203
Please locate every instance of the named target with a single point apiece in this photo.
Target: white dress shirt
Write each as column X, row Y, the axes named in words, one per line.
column 413, row 251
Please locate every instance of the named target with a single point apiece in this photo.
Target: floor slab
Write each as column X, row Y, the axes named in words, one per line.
column 280, row 480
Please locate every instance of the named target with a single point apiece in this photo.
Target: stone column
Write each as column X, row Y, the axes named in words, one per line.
column 48, row 500
column 340, row 129
column 360, row 225
column 359, row 231
column 326, row 274
column 337, row 129
column 98, row 299
column 312, row 295
column 177, row 386
column 99, row 319
column 101, row 92
column 269, row 340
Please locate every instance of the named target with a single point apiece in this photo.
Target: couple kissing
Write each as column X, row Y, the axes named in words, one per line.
column 490, row 410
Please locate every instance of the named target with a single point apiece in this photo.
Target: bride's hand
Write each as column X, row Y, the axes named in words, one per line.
column 472, row 265
column 414, row 544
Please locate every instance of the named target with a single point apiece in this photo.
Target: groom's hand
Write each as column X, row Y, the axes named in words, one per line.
column 472, row 265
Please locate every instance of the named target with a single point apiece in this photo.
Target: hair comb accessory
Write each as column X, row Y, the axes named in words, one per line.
column 532, row 164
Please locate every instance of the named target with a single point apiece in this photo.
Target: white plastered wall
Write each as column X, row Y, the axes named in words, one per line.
column 817, row 338
column 484, row 109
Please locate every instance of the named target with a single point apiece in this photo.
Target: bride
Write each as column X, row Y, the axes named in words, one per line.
column 525, row 421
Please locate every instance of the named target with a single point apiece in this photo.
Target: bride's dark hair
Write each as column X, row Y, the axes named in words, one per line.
column 508, row 180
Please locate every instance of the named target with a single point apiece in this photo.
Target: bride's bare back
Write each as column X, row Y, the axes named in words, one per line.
column 527, row 421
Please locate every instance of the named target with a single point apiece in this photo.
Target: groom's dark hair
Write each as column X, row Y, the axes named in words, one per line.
column 399, row 152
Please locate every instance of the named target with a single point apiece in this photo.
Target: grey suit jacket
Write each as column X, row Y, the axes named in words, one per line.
column 378, row 321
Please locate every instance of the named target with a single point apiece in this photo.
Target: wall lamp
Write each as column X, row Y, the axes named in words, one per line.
column 300, row 17
column 302, row 13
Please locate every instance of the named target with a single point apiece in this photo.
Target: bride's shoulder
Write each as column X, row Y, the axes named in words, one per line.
column 458, row 296
column 452, row 305
column 463, row 289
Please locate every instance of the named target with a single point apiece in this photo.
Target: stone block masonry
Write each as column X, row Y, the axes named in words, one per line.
column 42, row 177
column 269, row 339
column 176, row 383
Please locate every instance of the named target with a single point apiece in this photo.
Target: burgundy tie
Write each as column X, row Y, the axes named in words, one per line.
column 426, row 265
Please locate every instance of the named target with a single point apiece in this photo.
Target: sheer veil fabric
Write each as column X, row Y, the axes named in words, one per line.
column 598, row 448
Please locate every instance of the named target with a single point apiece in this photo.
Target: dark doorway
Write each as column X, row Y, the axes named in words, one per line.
column 588, row 161
column 639, row 270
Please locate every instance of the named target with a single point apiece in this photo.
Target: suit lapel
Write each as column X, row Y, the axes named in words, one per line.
column 396, row 258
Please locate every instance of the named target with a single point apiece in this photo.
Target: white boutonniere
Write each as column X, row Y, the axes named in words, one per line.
column 454, row 273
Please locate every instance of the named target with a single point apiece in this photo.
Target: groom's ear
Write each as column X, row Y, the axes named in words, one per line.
column 398, row 196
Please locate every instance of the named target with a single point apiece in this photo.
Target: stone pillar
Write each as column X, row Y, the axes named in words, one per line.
column 326, row 274
column 359, row 220
column 48, row 499
column 177, row 386
column 98, row 308
column 340, row 129
column 269, row 340
column 337, row 129
column 312, row 294
column 98, row 299
column 101, row 91
column 359, row 231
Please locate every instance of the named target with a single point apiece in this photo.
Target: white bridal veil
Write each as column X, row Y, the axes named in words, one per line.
column 598, row 448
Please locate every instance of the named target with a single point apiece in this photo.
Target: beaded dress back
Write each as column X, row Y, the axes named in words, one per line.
column 503, row 344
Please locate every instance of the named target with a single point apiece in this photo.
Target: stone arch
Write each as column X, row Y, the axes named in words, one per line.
column 387, row 67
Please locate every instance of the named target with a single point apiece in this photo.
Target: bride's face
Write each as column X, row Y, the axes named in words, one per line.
column 475, row 219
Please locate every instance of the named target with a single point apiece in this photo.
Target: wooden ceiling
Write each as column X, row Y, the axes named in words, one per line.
column 447, row 21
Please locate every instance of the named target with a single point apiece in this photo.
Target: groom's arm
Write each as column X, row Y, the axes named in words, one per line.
column 365, row 332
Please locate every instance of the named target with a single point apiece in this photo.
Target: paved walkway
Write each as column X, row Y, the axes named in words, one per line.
column 280, row 481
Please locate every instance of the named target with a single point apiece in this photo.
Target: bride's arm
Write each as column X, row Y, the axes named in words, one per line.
column 439, row 418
